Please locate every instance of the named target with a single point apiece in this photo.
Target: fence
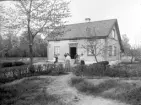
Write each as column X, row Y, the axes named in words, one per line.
column 12, row 73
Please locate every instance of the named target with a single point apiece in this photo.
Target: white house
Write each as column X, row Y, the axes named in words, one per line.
column 75, row 36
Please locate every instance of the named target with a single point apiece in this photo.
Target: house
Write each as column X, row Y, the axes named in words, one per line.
column 75, row 36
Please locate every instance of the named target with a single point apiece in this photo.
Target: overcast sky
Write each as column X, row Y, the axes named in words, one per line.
column 128, row 13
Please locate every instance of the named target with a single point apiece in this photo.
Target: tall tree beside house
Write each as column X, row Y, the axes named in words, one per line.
column 39, row 16
column 126, row 45
column 94, row 46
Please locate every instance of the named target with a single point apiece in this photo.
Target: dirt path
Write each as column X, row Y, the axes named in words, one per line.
column 71, row 96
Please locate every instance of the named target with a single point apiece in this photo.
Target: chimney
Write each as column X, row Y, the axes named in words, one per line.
column 87, row 19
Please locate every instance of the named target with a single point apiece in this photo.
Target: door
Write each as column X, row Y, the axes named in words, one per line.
column 72, row 52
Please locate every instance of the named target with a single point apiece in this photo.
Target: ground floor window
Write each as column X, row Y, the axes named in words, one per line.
column 90, row 50
column 115, row 50
column 57, row 50
column 110, row 50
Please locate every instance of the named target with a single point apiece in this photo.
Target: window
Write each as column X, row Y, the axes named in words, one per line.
column 110, row 50
column 115, row 50
column 113, row 33
column 89, row 50
column 56, row 49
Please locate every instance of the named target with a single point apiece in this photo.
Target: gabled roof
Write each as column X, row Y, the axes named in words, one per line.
column 99, row 29
column 96, row 29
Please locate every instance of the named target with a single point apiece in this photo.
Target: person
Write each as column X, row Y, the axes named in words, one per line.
column 56, row 58
column 67, row 62
column 82, row 62
column 65, row 55
column 76, row 59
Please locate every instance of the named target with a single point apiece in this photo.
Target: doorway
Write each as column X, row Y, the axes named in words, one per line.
column 72, row 52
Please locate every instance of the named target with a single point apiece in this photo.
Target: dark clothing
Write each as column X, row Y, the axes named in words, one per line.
column 56, row 59
column 82, row 62
column 65, row 55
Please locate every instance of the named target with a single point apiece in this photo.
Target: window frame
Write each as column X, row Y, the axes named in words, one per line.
column 58, row 52
column 88, row 51
column 113, row 34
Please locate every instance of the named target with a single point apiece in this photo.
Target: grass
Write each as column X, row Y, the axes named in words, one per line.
column 128, row 92
column 28, row 92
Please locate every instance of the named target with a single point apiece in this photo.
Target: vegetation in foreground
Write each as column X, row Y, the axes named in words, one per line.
column 117, row 89
column 98, row 69
column 30, row 91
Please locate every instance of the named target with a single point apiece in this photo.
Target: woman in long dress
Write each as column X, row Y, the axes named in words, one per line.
column 67, row 62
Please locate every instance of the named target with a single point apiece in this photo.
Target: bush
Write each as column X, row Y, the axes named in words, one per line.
column 96, row 69
column 11, row 64
column 84, row 85
column 18, row 63
column 6, row 64
column 99, row 69
column 104, row 62
column 6, row 95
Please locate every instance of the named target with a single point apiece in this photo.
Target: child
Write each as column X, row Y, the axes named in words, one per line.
column 82, row 59
column 56, row 58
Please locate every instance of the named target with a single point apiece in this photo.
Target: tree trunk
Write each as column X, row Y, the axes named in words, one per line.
column 132, row 59
column 96, row 58
column 31, row 54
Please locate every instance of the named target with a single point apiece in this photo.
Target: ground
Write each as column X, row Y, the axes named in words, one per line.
column 71, row 96
column 55, row 90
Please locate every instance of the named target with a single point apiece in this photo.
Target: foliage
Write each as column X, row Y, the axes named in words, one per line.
column 36, row 17
column 132, row 70
column 26, row 92
column 112, row 88
column 10, row 64
column 12, row 73
column 126, row 45
column 85, row 86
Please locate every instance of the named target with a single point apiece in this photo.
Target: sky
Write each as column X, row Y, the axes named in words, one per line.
column 127, row 12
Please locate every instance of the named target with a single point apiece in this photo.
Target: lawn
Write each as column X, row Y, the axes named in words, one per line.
column 121, row 82
column 29, row 91
column 124, row 90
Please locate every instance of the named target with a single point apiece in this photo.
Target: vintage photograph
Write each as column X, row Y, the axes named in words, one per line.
column 70, row 52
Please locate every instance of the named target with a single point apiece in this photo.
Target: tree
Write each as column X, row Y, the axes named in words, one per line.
column 41, row 16
column 94, row 46
column 126, row 45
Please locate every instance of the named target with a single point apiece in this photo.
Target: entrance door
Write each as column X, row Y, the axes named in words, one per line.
column 72, row 52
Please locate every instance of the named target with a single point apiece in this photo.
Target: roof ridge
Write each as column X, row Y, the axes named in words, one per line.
column 91, row 22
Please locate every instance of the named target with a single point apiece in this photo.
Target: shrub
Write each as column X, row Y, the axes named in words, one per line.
column 18, row 63
column 96, row 69
column 11, row 64
column 99, row 69
column 85, row 86
column 31, row 69
column 6, row 95
column 104, row 62
column 116, row 72
column 6, row 64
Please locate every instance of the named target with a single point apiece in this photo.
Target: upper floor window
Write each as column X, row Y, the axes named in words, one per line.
column 113, row 34
column 56, row 50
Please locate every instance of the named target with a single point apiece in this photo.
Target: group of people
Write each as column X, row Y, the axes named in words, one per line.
column 78, row 59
